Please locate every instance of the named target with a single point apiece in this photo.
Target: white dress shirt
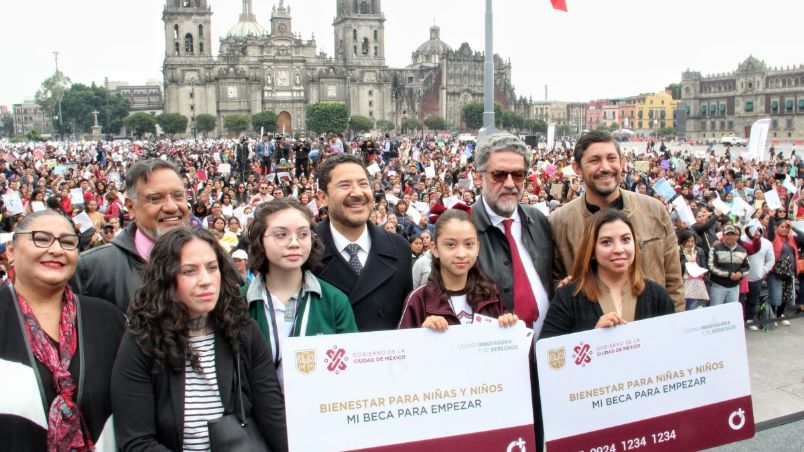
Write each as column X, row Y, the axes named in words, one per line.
column 341, row 242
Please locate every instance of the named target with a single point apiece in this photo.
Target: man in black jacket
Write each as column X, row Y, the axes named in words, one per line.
column 114, row 271
column 353, row 245
column 728, row 261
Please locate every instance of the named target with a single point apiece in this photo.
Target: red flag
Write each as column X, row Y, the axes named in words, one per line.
column 559, row 4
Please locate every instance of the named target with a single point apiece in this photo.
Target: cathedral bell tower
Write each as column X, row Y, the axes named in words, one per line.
column 187, row 28
column 359, row 33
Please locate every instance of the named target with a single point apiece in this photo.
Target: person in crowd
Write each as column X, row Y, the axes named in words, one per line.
column 188, row 333
column 415, row 247
column 696, row 291
column 106, row 235
column 781, row 279
column 264, row 151
column 240, row 259
column 728, row 263
column 93, row 214
column 352, row 243
column 57, row 348
column 159, row 202
column 456, row 288
column 198, row 218
column 760, row 264
column 285, row 297
column 608, row 287
column 263, row 196
column 599, row 160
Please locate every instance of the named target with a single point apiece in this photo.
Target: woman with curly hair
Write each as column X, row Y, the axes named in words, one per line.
column 285, row 298
column 175, row 370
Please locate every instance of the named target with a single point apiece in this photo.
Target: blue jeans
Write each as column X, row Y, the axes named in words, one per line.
column 719, row 294
column 776, row 290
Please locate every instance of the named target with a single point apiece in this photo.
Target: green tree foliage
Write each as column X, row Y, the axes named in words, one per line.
column 172, row 123
column 48, row 95
column 329, row 118
column 264, row 120
column 7, row 124
column 33, row 135
column 385, row 125
column 236, row 124
column 81, row 100
column 360, row 124
column 411, row 125
column 563, row 130
column 535, row 126
column 473, row 114
column 512, row 120
column 675, row 90
column 435, row 123
column 667, row 132
column 140, row 123
column 205, row 123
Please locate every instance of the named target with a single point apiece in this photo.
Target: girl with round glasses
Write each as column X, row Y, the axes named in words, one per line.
column 285, row 298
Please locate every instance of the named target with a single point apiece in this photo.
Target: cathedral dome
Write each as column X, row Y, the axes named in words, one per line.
column 434, row 46
column 246, row 28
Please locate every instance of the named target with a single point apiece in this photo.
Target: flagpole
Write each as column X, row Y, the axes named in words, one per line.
column 488, row 75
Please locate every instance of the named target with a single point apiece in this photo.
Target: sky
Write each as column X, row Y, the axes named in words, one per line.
column 599, row 49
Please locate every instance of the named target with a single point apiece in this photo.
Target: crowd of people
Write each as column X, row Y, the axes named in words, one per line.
column 216, row 251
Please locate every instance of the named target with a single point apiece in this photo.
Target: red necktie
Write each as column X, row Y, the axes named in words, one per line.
column 525, row 306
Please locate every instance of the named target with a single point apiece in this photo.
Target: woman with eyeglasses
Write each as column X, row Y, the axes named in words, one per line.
column 56, row 348
column 285, row 298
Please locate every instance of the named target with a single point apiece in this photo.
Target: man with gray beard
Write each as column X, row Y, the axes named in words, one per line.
column 159, row 203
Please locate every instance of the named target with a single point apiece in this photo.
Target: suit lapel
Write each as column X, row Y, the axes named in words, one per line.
column 176, row 385
column 380, row 265
column 335, row 270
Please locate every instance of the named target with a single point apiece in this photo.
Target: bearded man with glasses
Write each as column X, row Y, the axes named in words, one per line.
column 159, row 202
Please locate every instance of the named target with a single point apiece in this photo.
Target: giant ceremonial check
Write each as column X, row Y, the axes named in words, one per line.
column 465, row 389
column 677, row 382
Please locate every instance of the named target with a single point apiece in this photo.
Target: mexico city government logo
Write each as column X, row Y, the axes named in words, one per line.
column 305, row 361
column 556, row 358
column 582, row 354
column 336, row 359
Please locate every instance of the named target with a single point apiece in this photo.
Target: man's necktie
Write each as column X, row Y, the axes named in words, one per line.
column 525, row 306
column 354, row 262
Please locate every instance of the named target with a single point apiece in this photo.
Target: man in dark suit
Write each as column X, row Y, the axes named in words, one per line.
column 516, row 245
column 367, row 263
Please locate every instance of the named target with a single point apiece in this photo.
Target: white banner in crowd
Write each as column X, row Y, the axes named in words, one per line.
column 551, row 136
column 410, row 390
column 676, row 382
column 757, row 140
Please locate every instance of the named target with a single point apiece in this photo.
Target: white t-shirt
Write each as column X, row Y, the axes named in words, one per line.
column 460, row 306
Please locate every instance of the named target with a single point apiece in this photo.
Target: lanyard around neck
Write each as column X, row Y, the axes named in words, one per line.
column 269, row 299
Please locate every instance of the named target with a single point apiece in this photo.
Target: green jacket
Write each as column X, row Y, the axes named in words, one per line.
column 324, row 309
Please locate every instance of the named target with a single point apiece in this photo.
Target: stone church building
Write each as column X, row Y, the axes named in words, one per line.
column 275, row 69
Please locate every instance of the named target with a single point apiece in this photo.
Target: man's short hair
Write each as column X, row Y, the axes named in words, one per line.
column 592, row 137
column 141, row 172
column 324, row 172
column 499, row 142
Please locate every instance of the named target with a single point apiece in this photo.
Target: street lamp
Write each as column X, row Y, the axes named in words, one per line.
column 61, row 126
column 192, row 107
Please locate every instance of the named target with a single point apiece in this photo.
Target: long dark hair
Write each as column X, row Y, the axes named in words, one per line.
column 159, row 320
column 479, row 287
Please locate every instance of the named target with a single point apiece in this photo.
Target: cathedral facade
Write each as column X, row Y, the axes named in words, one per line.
column 275, row 69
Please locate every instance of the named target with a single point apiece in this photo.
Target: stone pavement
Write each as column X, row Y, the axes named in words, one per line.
column 776, row 364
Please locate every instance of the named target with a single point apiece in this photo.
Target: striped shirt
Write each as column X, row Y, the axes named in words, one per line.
column 202, row 400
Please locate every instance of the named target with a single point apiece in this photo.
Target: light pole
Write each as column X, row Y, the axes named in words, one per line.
column 192, row 107
column 488, row 75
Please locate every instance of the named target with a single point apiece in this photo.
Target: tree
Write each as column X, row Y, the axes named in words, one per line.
column 140, row 123
column 473, row 114
column 48, row 95
column 33, row 135
column 435, row 123
column 360, row 124
column 667, row 132
column 205, row 123
column 385, row 125
column 236, row 124
column 411, row 124
column 512, row 120
column 7, row 124
column 563, row 130
column 675, row 90
column 172, row 123
column 535, row 125
column 265, row 120
column 330, row 118
column 81, row 100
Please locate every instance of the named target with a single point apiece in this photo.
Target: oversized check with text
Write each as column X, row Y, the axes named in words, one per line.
column 676, row 382
column 465, row 389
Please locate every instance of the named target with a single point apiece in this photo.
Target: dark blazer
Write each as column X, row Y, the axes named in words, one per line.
column 495, row 254
column 100, row 327
column 149, row 408
column 570, row 313
column 378, row 294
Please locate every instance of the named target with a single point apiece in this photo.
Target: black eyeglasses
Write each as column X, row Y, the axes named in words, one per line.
column 501, row 176
column 44, row 239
